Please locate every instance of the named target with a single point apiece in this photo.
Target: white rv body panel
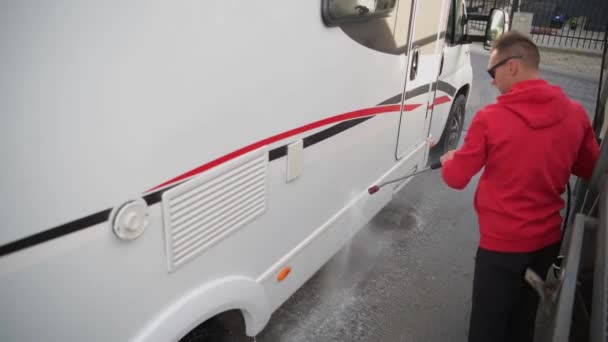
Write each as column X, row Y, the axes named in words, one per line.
column 119, row 93
column 108, row 102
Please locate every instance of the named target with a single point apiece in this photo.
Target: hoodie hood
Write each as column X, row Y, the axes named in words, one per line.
column 537, row 103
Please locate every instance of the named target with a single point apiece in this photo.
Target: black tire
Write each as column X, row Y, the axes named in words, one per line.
column 453, row 125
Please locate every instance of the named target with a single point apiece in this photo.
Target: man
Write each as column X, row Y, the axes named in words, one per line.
column 529, row 141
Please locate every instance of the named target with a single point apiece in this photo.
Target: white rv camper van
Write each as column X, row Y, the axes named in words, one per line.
column 164, row 162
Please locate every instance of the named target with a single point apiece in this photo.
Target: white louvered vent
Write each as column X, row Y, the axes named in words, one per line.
column 204, row 210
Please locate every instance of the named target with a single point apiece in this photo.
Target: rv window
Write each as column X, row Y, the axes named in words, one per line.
column 460, row 22
column 449, row 33
column 455, row 29
column 336, row 12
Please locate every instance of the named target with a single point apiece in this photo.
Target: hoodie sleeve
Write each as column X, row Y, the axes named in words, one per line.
column 469, row 159
column 588, row 154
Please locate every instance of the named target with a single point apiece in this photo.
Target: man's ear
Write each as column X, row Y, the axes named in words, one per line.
column 514, row 67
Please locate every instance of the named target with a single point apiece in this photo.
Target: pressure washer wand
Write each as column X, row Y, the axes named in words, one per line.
column 372, row 190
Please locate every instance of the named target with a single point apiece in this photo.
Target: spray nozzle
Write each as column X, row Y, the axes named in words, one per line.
column 372, row 190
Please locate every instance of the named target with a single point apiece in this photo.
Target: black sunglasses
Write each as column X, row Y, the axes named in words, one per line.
column 492, row 70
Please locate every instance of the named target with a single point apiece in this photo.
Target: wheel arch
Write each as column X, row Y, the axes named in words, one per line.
column 208, row 301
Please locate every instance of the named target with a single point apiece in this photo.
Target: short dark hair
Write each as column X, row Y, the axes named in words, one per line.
column 514, row 43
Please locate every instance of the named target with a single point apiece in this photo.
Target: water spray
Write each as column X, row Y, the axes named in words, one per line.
column 372, row 190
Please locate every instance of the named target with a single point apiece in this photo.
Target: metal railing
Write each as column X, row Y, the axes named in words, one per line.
column 576, row 24
column 568, row 24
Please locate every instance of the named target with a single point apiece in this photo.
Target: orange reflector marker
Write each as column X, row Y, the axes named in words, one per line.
column 284, row 273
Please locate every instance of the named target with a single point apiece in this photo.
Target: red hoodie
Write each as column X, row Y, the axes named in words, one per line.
column 530, row 142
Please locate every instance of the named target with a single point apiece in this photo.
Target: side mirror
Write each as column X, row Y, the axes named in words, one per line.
column 337, row 12
column 495, row 28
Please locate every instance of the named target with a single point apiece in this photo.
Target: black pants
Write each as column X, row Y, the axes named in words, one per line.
column 504, row 305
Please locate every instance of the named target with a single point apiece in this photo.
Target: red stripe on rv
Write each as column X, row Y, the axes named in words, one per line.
column 285, row 135
column 439, row 101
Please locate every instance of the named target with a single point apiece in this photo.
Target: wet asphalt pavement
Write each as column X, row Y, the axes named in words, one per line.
column 407, row 275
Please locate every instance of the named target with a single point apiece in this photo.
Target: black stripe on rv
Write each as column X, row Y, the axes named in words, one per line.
column 446, row 88
column 280, row 152
column 393, row 100
column 72, row 227
column 419, row 91
column 156, row 197
column 56, row 232
column 439, row 85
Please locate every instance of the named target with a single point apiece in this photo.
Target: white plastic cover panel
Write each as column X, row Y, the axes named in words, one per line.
column 206, row 209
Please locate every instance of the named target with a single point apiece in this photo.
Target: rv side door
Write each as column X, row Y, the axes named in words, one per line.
column 424, row 55
column 455, row 69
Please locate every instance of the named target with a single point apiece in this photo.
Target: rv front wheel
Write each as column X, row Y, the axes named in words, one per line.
column 453, row 126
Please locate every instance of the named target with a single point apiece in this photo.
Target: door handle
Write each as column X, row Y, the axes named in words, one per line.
column 414, row 67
